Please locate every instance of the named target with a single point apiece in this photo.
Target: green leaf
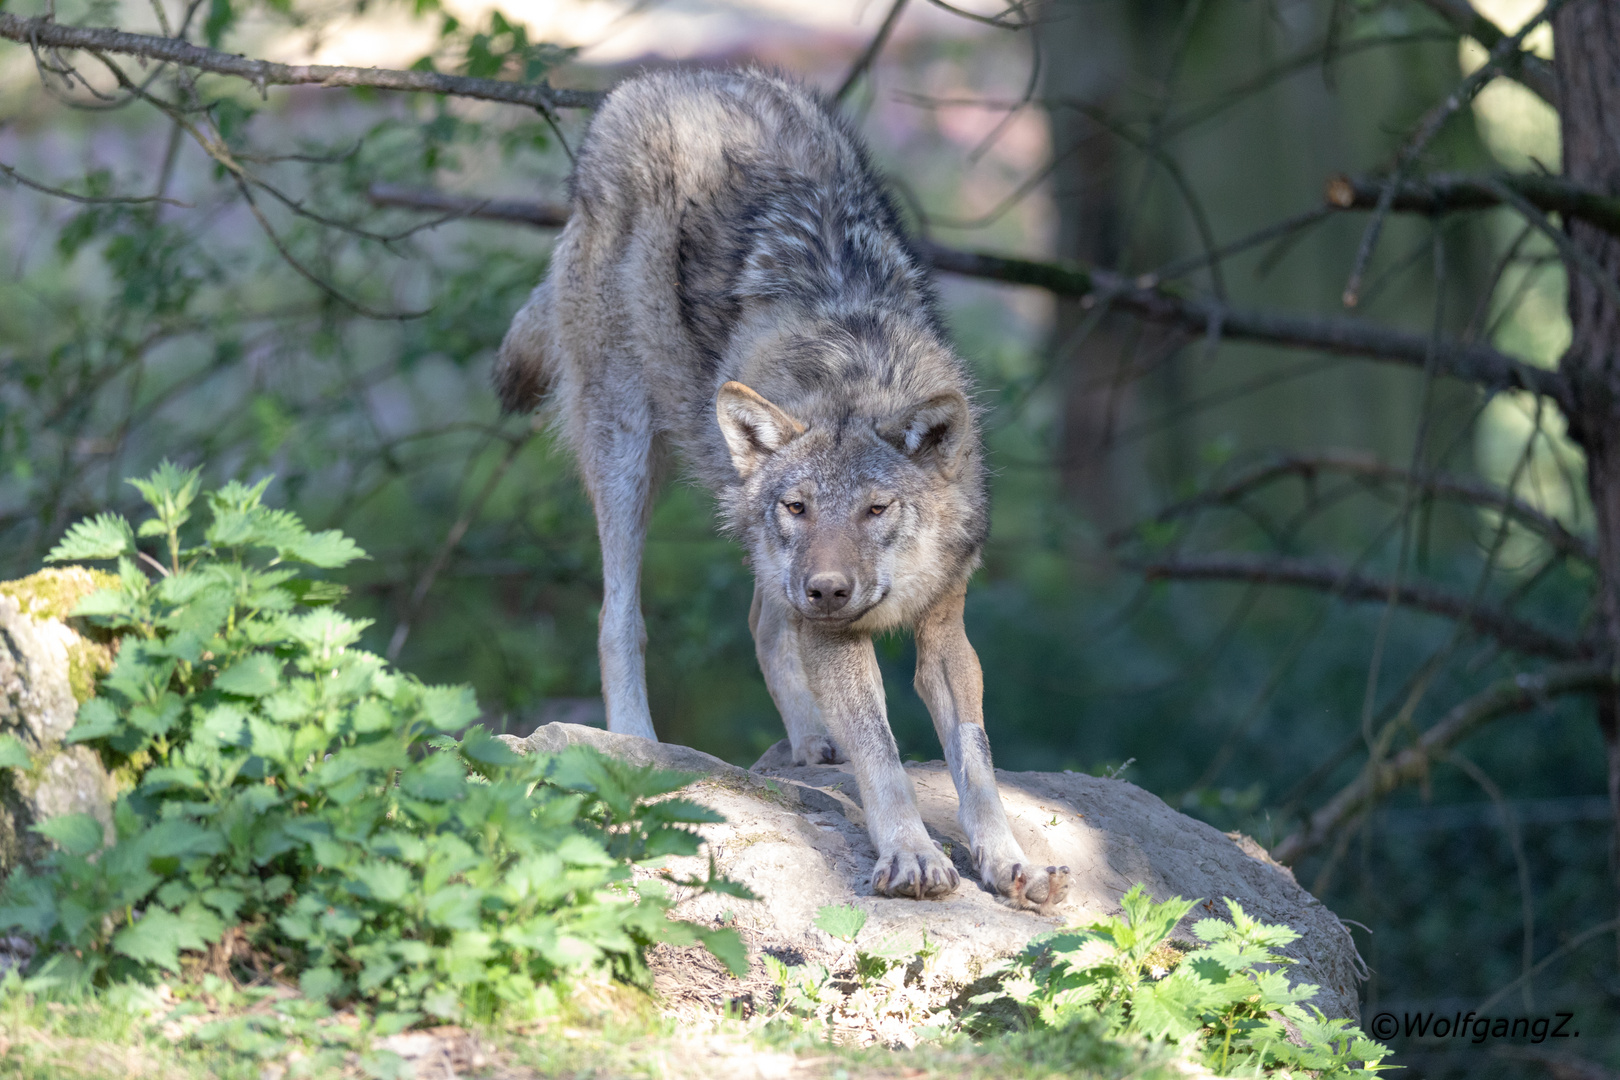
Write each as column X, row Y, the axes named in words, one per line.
column 842, row 921
column 327, row 550
column 480, row 746
column 255, row 675
column 170, row 492
column 1170, row 1008
column 438, row 778
column 727, row 947
column 13, row 754
column 106, row 536
column 77, row 834
column 155, row 938
column 104, row 602
column 387, row 882
column 449, row 708
column 320, row 983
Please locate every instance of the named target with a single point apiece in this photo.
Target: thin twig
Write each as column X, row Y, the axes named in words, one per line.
column 870, row 53
column 1515, row 694
column 1443, row 193
column 62, row 193
column 262, row 73
column 1511, row 631
column 1368, row 466
column 1471, row 361
column 540, row 215
column 1526, row 67
column 1510, row 826
column 453, row 538
column 1567, row 947
column 1428, row 127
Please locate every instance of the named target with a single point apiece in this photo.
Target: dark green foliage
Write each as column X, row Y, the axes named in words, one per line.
column 1121, row 976
column 284, row 782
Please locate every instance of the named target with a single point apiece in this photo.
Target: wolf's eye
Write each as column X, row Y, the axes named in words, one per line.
column 876, row 510
column 794, row 508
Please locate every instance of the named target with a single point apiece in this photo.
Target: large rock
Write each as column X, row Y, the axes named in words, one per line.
column 796, row 836
column 48, row 667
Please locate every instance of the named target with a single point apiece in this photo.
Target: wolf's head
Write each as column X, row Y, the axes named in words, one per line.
column 856, row 521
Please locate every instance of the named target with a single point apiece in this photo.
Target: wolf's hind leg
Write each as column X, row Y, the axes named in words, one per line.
column 951, row 683
column 776, row 643
column 617, row 460
column 841, row 668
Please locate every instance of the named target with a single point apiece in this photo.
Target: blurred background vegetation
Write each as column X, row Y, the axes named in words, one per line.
column 266, row 316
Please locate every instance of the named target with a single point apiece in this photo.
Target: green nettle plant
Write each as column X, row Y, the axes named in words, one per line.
column 289, row 791
column 1229, row 999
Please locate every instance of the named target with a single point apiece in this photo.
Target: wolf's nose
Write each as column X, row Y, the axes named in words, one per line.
column 827, row 591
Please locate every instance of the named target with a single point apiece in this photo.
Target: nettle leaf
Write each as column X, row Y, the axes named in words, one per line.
column 157, row 717
column 105, row 536
column 327, row 550
column 324, row 632
column 104, row 603
column 437, row 778
column 842, row 921
column 255, row 675
column 155, row 938
column 387, row 882
column 269, row 740
column 13, row 754
column 170, row 492
column 140, row 671
column 76, row 834
column 727, row 947
column 98, row 719
column 449, row 708
column 480, row 746
column 1171, row 1008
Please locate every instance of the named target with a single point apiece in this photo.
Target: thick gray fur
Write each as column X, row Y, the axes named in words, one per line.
column 734, row 283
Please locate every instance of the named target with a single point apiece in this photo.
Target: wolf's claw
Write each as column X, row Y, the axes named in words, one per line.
column 1025, row 886
column 917, row 874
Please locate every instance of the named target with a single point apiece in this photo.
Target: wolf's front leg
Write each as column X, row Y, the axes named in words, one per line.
column 776, row 643
column 950, row 682
column 842, row 672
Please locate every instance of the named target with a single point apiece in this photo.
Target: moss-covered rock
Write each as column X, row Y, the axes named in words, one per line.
column 49, row 662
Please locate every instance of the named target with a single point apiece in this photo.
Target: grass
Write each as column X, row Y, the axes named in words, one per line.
column 209, row 1028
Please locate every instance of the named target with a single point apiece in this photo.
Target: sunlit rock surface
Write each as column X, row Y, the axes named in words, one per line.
column 796, row 836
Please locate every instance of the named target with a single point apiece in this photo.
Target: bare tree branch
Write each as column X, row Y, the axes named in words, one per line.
column 62, row 193
column 1443, row 193
column 870, row 53
column 1343, row 336
column 44, row 32
column 1527, row 67
column 1427, row 128
column 1510, row 631
column 1371, row 468
column 1511, row 695
column 540, row 215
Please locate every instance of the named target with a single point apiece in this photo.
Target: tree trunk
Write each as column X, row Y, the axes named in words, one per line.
column 1085, row 48
column 1588, row 66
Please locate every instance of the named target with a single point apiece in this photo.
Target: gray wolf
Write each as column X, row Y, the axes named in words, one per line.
column 734, row 285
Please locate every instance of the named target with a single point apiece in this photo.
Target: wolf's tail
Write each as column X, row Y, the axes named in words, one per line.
column 522, row 375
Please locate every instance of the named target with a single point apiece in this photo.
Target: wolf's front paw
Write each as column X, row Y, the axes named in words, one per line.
column 917, row 874
column 819, row 750
column 1026, row 885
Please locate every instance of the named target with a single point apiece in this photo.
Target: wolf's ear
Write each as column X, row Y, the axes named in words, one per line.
column 934, row 431
column 754, row 428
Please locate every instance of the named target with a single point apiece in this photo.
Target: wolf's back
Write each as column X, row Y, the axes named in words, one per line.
column 716, row 192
